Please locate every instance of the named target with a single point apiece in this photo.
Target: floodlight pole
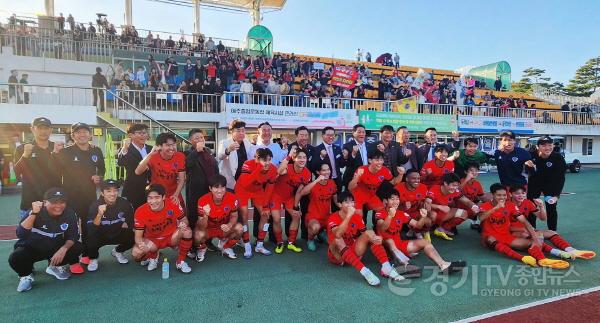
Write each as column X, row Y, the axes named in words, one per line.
column 196, row 33
column 49, row 6
column 128, row 13
column 255, row 12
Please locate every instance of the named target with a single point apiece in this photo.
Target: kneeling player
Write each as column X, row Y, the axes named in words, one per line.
column 442, row 201
column 538, row 208
column 217, row 218
column 322, row 191
column 349, row 239
column 472, row 189
column 495, row 219
column 160, row 223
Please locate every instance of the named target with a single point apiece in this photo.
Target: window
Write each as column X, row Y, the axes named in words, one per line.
column 586, row 148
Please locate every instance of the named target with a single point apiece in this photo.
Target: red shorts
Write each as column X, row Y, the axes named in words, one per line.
column 214, row 233
column 322, row 220
column 162, row 242
column 402, row 245
column 244, row 196
column 506, row 239
column 372, row 202
column 332, row 259
column 277, row 201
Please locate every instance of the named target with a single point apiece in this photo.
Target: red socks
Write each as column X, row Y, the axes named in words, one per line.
column 151, row 255
column 546, row 247
column 536, row 252
column 452, row 223
column 507, row 251
column 184, row 246
column 261, row 235
column 379, row 253
column 278, row 236
column 350, row 257
column 246, row 236
column 292, row 236
column 559, row 242
column 230, row 243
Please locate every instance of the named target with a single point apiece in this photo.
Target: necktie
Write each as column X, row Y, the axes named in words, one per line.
column 363, row 153
column 431, row 149
column 332, row 161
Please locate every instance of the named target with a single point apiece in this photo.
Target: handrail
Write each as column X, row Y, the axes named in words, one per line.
column 172, row 101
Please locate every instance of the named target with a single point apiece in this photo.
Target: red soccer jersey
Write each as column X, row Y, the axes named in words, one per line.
column 414, row 197
column 399, row 219
column 498, row 224
column 158, row 224
column 356, row 226
column 252, row 179
column 472, row 190
column 526, row 208
column 320, row 199
column 437, row 173
column 164, row 172
column 218, row 214
column 370, row 182
column 439, row 198
column 286, row 185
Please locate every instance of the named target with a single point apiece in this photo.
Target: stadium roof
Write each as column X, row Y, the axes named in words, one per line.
column 246, row 4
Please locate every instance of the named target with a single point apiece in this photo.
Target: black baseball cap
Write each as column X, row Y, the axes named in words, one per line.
column 41, row 121
column 55, row 194
column 509, row 134
column 544, row 140
column 80, row 125
column 110, row 183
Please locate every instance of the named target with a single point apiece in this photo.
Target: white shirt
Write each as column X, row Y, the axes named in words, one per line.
column 141, row 150
column 278, row 153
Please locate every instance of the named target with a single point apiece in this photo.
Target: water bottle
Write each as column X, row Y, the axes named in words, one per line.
column 165, row 269
column 550, row 199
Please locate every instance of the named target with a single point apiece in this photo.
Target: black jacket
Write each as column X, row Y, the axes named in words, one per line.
column 396, row 156
column 423, row 151
column 340, row 162
column 548, row 177
column 98, row 80
column 353, row 162
column 134, row 186
column 112, row 221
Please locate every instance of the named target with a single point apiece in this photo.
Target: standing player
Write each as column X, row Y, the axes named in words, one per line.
column 472, row 189
column 390, row 221
column 256, row 183
column 166, row 165
column 81, row 167
column 349, row 239
column 495, row 219
column 110, row 222
column 160, row 223
column 412, row 200
column 286, row 192
column 538, row 209
column 217, row 218
column 321, row 193
column 434, row 170
column 442, row 201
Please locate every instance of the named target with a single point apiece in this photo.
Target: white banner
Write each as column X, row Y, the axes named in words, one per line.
column 483, row 124
column 290, row 117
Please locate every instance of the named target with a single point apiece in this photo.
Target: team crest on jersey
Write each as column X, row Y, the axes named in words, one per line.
column 397, row 221
column 381, row 178
column 64, row 226
column 94, row 158
column 175, row 165
column 446, row 171
column 353, row 225
column 32, row 155
column 418, row 196
column 549, row 164
column 76, row 159
column 170, row 213
column 120, row 215
column 44, row 227
column 226, row 209
column 505, row 212
column 514, row 159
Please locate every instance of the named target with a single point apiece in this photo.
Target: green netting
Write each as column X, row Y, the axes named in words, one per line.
column 260, row 41
column 489, row 73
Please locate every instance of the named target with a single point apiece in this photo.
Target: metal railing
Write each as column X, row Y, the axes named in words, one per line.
column 305, row 101
column 556, row 97
column 170, row 101
column 46, row 95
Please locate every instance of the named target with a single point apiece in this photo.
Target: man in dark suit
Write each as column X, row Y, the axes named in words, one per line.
column 330, row 153
column 133, row 151
column 426, row 151
column 302, row 142
column 408, row 148
column 393, row 154
column 355, row 152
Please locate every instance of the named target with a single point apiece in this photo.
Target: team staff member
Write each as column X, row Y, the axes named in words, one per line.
column 426, row 151
column 50, row 233
column 32, row 164
column 393, row 155
column 511, row 160
column 131, row 154
column 81, row 167
column 233, row 152
column 110, row 222
column 470, row 155
column 547, row 177
column 408, row 148
column 355, row 152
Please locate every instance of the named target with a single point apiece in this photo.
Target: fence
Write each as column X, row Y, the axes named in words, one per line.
column 45, row 94
column 169, row 101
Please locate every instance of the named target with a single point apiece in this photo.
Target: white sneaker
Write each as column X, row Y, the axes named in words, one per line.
column 25, row 283
column 144, row 262
column 370, row 277
column 228, row 252
column 191, row 255
column 120, row 258
column 393, row 274
column 200, row 253
column 262, row 250
column 247, row 250
column 60, row 272
column 183, row 267
column 220, row 244
column 152, row 264
column 93, row 265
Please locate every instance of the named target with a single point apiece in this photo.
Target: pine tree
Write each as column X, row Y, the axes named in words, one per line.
column 586, row 80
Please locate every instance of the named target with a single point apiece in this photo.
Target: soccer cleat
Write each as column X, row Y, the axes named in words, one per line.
column 311, row 245
column 393, row 274
column 438, row 233
column 120, row 257
column 183, row 267
column 59, row 272
column 210, row 246
column 370, row 276
column 25, row 283
column 76, row 269
column 293, row 247
column 566, row 256
column 454, row 266
column 85, row 260
column 200, row 253
column 262, row 250
column 279, row 248
column 529, row 260
column 93, row 265
column 191, row 254
column 221, row 244
column 247, row 250
column 152, row 264
column 427, row 236
column 228, row 253
column 144, row 262
column 554, row 264
column 409, row 271
column 583, row 254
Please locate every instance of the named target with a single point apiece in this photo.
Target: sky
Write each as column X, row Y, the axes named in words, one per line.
column 558, row 36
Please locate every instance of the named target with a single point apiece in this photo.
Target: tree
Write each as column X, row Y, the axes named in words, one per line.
column 525, row 84
column 586, row 80
column 534, row 73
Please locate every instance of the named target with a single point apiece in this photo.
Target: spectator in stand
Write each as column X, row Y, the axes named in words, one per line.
column 91, row 29
column 170, row 43
column 565, row 108
column 189, row 71
column 210, row 44
column 359, row 54
column 23, row 89
column 99, row 83
column 12, row 89
column 368, row 57
column 140, row 75
column 498, row 84
column 220, row 47
column 396, row 60
column 61, row 23
column 71, row 22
